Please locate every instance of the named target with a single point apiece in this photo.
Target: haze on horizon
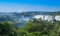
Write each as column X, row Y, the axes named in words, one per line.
column 29, row 5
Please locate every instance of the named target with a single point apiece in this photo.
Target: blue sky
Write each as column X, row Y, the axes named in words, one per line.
column 29, row 5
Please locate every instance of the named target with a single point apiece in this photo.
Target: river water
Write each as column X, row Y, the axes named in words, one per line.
column 23, row 21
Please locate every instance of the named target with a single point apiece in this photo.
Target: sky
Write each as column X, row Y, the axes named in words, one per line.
column 29, row 5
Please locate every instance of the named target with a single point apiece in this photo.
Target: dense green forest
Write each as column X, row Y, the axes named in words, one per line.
column 34, row 27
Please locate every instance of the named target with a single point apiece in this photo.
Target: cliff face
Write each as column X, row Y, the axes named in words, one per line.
column 48, row 17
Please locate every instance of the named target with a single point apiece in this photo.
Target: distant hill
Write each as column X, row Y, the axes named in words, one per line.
column 40, row 13
column 30, row 13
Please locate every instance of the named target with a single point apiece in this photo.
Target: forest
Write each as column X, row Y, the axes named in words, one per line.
column 33, row 27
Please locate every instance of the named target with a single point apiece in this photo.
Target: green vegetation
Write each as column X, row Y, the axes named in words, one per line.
column 7, row 29
column 34, row 27
column 40, row 28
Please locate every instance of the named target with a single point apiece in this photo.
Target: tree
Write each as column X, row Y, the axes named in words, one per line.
column 5, row 28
